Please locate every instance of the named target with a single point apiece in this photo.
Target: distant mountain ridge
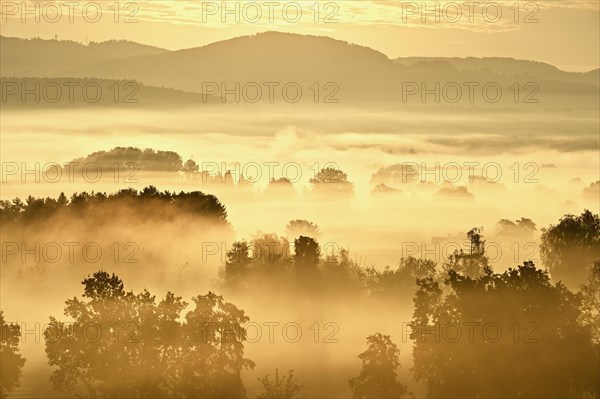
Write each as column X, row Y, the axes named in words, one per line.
column 265, row 57
column 505, row 66
column 362, row 76
column 45, row 58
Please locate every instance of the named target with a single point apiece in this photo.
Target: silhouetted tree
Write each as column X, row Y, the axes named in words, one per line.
column 128, row 157
column 377, row 378
column 280, row 187
column 280, row 387
column 520, row 229
column 307, row 255
column 307, row 251
column 237, row 265
column 11, row 361
column 190, row 168
column 332, row 181
column 569, row 249
column 396, row 175
column 301, row 227
column 473, row 263
column 213, row 349
column 513, row 334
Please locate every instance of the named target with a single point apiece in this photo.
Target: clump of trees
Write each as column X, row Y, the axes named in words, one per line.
column 522, row 228
column 396, row 175
column 458, row 192
column 191, row 171
column 511, row 334
column 11, row 360
column 132, row 157
column 124, row 345
column 280, row 187
column 331, row 181
column 382, row 188
column 269, row 260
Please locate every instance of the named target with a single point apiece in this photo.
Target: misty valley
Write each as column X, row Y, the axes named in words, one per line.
column 296, row 200
column 299, row 287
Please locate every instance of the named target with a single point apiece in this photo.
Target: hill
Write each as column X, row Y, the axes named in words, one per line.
column 303, row 70
column 46, row 58
column 52, row 93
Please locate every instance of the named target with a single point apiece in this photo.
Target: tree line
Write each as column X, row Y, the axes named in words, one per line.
column 149, row 203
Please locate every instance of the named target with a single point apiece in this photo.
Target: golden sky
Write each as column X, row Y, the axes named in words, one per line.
column 564, row 33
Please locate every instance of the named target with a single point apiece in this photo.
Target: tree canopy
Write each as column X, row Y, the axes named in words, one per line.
column 570, row 247
column 145, row 204
column 124, row 345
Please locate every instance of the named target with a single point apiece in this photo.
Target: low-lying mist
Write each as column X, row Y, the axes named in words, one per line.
column 508, row 189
